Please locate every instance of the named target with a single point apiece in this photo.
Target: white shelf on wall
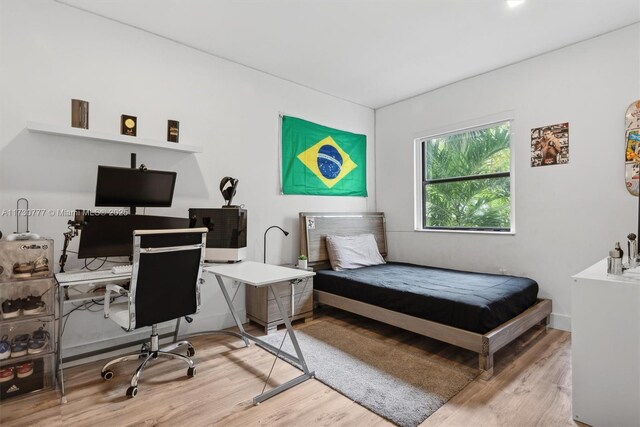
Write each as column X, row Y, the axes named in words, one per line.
column 99, row 136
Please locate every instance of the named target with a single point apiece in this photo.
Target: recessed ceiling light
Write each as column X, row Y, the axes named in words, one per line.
column 514, row 3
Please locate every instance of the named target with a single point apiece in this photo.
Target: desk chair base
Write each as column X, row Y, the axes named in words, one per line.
column 152, row 353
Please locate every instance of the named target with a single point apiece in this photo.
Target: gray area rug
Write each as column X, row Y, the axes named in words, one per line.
column 396, row 383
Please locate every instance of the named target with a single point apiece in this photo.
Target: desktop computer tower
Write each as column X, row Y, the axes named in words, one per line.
column 227, row 236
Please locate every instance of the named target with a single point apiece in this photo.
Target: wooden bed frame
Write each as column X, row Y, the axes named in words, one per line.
column 314, row 226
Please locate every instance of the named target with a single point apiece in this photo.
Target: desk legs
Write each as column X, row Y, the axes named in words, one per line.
column 232, row 309
column 292, row 335
column 299, row 360
column 59, row 370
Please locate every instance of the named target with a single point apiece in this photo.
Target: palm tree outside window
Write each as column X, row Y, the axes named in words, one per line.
column 466, row 180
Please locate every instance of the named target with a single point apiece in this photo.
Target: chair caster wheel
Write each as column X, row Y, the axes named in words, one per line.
column 191, row 372
column 191, row 352
column 132, row 391
column 107, row 375
column 144, row 350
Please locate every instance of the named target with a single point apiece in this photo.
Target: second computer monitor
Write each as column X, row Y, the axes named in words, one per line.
column 112, row 235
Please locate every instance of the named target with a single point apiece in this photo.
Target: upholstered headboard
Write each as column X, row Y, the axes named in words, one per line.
column 315, row 226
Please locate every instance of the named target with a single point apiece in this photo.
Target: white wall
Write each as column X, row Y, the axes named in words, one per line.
column 567, row 216
column 51, row 53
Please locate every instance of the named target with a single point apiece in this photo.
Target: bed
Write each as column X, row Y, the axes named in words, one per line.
column 476, row 311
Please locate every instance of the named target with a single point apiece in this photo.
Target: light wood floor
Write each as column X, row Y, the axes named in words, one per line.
column 531, row 386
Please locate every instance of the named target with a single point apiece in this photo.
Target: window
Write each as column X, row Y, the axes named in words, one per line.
column 466, row 179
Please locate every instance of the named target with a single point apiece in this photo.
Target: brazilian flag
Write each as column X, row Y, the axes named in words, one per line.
column 318, row 160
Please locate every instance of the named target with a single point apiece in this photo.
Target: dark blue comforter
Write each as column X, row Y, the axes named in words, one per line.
column 476, row 302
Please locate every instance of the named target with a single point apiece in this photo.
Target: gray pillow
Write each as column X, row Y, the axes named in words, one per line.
column 349, row 252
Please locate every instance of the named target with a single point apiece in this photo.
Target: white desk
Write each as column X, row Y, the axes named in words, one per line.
column 248, row 272
column 605, row 347
column 258, row 274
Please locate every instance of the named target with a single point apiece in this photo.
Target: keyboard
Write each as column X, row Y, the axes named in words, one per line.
column 122, row 269
column 90, row 276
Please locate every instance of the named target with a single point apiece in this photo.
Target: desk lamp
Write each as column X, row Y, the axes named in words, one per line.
column 286, row 233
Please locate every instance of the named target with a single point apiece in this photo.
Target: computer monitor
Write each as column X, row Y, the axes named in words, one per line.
column 112, row 235
column 134, row 187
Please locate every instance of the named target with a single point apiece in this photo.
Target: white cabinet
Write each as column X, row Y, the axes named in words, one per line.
column 605, row 349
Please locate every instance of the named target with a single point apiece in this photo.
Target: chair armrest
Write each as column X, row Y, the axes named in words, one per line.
column 107, row 296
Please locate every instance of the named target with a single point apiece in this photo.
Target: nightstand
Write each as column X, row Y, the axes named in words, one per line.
column 263, row 310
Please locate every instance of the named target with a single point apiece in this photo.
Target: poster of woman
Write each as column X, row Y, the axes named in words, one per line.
column 550, row 145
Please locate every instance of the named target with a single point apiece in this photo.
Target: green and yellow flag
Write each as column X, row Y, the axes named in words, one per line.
column 318, row 160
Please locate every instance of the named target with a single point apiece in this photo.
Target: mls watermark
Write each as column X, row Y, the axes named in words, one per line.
column 60, row 212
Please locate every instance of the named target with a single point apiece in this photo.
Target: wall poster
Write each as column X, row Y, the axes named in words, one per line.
column 550, row 145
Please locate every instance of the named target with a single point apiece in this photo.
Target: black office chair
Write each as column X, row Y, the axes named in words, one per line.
column 165, row 285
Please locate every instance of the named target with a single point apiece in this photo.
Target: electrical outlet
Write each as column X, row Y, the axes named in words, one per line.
column 502, row 270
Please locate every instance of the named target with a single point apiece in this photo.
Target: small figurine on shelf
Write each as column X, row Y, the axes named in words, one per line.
column 128, row 125
column 79, row 114
column 173, row 128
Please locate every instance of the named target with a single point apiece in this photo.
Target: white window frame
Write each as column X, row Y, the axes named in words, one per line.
column 507, row 116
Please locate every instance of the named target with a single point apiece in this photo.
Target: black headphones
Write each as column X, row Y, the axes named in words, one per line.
column 228, row 191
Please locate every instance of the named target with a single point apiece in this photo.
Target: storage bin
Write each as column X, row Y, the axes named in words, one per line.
column 28, row 326
column 20, row 299
column 42, row 377
column 26, row 259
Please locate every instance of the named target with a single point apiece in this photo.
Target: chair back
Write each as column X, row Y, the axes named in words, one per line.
column 166, row 274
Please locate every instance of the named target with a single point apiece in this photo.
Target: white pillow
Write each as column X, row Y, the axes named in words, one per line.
column 348, row 252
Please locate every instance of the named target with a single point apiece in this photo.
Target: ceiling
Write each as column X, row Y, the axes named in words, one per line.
column 371, row 52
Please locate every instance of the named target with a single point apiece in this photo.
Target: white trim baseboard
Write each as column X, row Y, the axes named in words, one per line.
column 561, row 321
